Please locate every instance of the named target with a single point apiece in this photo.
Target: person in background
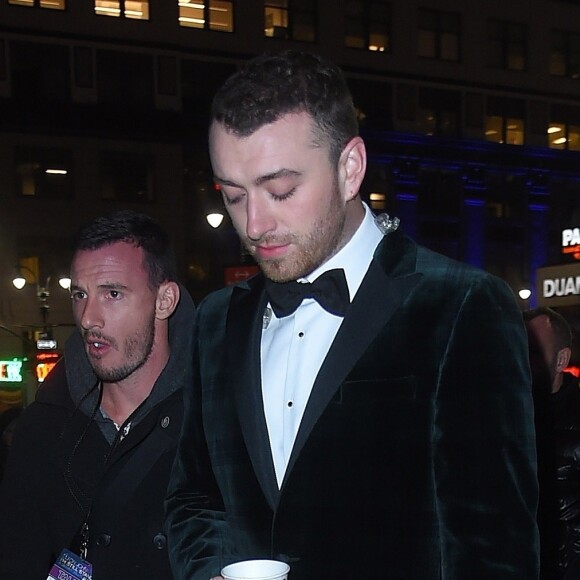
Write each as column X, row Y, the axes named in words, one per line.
column 557, row 400
column 8, row 420
column 362, row 408
column 91, row 456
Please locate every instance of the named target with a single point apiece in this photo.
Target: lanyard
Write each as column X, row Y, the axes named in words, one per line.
column 84, row 530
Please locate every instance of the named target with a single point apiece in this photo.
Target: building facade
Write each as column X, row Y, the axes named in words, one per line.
column 471, row 113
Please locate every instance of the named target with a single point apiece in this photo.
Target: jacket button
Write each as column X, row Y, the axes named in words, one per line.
column 103, row 540
column 160, row 541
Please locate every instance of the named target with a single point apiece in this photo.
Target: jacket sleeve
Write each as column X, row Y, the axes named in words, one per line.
column 195, row 518
column 483, row 442
column 25, row 550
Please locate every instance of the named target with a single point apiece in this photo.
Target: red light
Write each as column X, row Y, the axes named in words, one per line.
column 47, row 356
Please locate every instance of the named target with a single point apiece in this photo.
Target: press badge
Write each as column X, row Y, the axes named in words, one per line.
column 70, row 566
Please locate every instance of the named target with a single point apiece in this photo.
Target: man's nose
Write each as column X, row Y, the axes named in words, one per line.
column 91, row 315
column 260, row 218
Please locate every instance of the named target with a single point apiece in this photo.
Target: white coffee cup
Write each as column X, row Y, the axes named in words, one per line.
column 256, row 570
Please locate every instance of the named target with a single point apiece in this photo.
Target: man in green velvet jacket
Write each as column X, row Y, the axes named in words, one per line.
column 384, row 428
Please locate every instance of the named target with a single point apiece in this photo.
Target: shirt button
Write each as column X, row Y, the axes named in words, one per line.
column 160, row 541
column 290, row 403
column 165, row 422
column 103, row 540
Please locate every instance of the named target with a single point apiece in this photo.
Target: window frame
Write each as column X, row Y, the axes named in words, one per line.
column 438, row 30
column 366, row 22
column 207, row 22
column 124, row 12
column 502, row 36
column 293, row 12
column 115, row 173
column 569, row 50
column 45, row 165
column 38, row 4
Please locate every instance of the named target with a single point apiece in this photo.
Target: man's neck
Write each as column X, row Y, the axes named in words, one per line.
column 121, row 399
column 557, row 383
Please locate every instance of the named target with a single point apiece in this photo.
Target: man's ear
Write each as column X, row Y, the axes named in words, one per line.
column 352, row 167
column 167, row 300
column 563, row 359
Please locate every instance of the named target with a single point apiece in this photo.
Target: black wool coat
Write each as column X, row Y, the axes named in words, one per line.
column 415, row 456
column 61, row 466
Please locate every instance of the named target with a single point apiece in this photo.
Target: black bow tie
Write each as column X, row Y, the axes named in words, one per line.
column 330, row 290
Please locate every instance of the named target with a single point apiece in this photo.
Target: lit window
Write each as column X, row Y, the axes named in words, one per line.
column 378, row 201
column 494, row 129
column 43, row 173
column 514, row 131
column 439, row 35
column 368, row 25
column 210, row 15
column 557, row 136
column 504, row 121
column 439, row 112
column 564, row 136
column 507, row 45
column 504, row 130
column 276, row 18
column 290, row 19
column 123, row 8
column 52, row 4
column 574, row 137
column 565, row 54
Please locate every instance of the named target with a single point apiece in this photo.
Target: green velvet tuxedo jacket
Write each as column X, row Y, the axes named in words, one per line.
column 415, row 457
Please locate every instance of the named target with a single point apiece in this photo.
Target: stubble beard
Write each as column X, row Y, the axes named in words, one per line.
column 136, row 349
column 310, row 250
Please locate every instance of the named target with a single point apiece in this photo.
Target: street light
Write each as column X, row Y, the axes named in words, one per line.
column 214, row 219
column 42, row 290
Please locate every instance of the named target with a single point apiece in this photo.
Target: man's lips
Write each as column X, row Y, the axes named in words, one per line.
column 271, row 251
column 97, row 346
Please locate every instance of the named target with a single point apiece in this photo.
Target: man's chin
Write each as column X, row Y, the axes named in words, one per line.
column 276, row 272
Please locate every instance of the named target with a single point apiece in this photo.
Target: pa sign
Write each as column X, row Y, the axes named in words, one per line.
column 571, row 242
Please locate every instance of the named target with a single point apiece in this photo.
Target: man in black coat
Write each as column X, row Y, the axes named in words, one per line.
column 557, row 411
column 91, row 456
column 381, row 424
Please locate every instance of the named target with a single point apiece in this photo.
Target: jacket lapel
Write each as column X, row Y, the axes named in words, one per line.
column 385, row 286
column 244, row 331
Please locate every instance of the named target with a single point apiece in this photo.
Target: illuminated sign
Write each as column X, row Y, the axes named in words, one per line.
column 46, row 362
column 559, row 285
column 42, row 370
column 234, row 274
column 11, row 371
column 571, row 242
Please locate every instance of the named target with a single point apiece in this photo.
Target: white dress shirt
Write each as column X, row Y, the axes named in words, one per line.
column 294, row 347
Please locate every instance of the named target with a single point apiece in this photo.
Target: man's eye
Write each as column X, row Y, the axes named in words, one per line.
column 231, row 196
column 77, row 295
column 114, row 294
column 283, row 196
column 232, row 200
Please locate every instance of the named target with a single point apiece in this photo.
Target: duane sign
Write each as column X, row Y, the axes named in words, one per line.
column 558, row 285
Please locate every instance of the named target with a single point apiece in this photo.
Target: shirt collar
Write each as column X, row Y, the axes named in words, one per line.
column 355, row 257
